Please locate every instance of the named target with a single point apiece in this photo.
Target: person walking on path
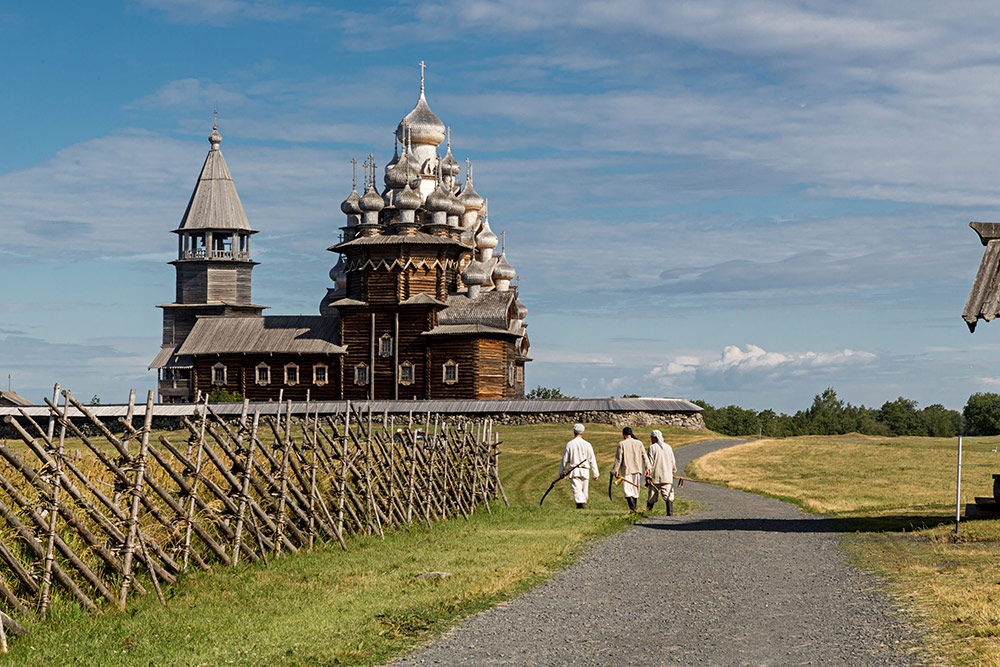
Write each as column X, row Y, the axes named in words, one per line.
column 662, row 468
column 631, row 463
column 579, row 459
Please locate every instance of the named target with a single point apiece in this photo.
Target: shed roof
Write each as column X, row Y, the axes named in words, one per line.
column 13, row 398
column 297, row 334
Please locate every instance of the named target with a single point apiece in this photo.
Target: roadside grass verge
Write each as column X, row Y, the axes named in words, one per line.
column 895, row 498
column 366, row 605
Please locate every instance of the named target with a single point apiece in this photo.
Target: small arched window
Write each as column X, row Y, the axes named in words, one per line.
column 219, row 374
column 291, row 374
column 511, row 374
column 406, row 373
column 319, row 374
column 361, row 374
column 263, row 374
column 449, row 372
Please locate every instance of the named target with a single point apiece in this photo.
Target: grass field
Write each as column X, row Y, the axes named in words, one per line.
column 365, row 605
column 896, row 497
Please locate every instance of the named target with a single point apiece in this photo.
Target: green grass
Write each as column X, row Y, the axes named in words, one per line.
column 366, row 605
column 895, row 498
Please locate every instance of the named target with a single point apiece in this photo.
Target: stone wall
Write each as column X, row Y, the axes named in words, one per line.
column 688, row 420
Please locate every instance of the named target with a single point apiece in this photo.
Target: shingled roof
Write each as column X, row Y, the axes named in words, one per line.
column 214, row 203
column 984, row 298
column 299, row 334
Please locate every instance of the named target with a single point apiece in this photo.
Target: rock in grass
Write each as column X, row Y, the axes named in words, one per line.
column 430, row 575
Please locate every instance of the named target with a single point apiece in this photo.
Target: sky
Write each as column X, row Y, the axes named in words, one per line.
column 743, row 202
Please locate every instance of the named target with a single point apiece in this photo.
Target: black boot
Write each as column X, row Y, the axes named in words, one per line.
column 631, row 504
column 670, row 507
column 649, row 507
column 581, row 506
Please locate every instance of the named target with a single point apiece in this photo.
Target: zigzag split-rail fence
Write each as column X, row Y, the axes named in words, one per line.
column 95, row 513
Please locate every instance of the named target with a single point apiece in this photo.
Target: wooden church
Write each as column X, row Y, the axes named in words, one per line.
column 423, row 306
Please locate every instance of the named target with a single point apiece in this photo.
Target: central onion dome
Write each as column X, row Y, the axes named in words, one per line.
column 407, row 199
column 438, row 200
column 423, row 126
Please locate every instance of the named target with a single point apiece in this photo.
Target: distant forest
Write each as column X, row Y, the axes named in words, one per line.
column 828, row 415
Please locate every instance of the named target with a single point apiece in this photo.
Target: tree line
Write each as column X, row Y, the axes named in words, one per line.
column 829, row 415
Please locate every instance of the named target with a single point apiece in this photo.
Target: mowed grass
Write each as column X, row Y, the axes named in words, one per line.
column 366, row 605
column 896, row 499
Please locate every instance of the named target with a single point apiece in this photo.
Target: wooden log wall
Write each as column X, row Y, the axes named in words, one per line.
column 125, row 514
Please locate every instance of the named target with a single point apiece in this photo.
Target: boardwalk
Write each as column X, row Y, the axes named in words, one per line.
column 743, row 580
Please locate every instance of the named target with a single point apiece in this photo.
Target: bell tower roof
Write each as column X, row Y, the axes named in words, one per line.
column 214, row 203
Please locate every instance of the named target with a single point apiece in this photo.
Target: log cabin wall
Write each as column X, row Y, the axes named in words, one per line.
column 241, row 376
column 461, row 350
column 491, row 368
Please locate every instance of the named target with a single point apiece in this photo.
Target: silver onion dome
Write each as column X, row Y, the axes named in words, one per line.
column 449, row 165
column 503, row 270
column 437, row 200
column 338, row 273
column 351, row 205
column 424, row 127
column 371, row 201
column 486, row 238
column 470, row 198
column 408, row 199
column 455, row 207
column 396, row 176
column 476, row 273
column 522, row 310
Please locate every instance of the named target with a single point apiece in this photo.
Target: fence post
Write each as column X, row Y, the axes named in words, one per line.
column 133, row 519
column 958, row 487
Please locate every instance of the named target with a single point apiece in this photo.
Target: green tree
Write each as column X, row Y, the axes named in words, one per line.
column 940, row 422
column 221, row 395
column 95, row 400
column 826, row 415
column 901, row 417
column 982, row 414
column 546, row 392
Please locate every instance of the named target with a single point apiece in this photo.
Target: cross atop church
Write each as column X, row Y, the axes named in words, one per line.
column 422, row 66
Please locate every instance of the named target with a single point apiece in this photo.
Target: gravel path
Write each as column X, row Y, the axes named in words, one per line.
column 745, row 580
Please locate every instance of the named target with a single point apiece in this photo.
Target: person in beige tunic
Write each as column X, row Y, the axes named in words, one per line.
column 631, row 463
column 577, row 451
column 662, row 468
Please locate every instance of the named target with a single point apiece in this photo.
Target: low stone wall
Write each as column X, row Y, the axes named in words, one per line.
column 688, row 420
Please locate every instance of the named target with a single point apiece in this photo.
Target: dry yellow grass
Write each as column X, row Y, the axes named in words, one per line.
column 897, row 498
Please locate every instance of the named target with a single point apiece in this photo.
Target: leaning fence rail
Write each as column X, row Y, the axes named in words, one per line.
column 126, row 509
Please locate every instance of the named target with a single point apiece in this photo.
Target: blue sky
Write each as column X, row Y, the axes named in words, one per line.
column 743, row 202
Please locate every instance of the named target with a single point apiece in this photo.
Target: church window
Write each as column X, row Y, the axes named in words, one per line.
column 520, row 374
column 449, row 374
column 385, row 346
column 319, row 374
column 361, row 374
column 406, row 373
column 511, row 375
column 263, row 374
column 219, row 374
column 291, row 374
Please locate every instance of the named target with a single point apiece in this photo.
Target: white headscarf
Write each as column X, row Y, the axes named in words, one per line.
column 657, row 437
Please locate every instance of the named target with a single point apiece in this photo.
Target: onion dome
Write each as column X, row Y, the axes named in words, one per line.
column 438, row 200
column 449, row 165
column 486, row 238
column 215, row 138
column 407, row 199
column 468, row 196
column 372, row 201
column 476, row 273
column 522, row 310
column 503, row 270
column 338, row 273
column 423, row 126
column 455, row 207
column 351, row 205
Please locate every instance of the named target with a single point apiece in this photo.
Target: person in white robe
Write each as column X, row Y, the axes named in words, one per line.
column 662, row 468
column 631, row 463
column 578, row 456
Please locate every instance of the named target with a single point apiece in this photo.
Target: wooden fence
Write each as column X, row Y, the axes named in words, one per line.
column 94, row 512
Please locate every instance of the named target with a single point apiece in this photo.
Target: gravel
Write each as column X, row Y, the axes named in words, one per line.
column 744, row 580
